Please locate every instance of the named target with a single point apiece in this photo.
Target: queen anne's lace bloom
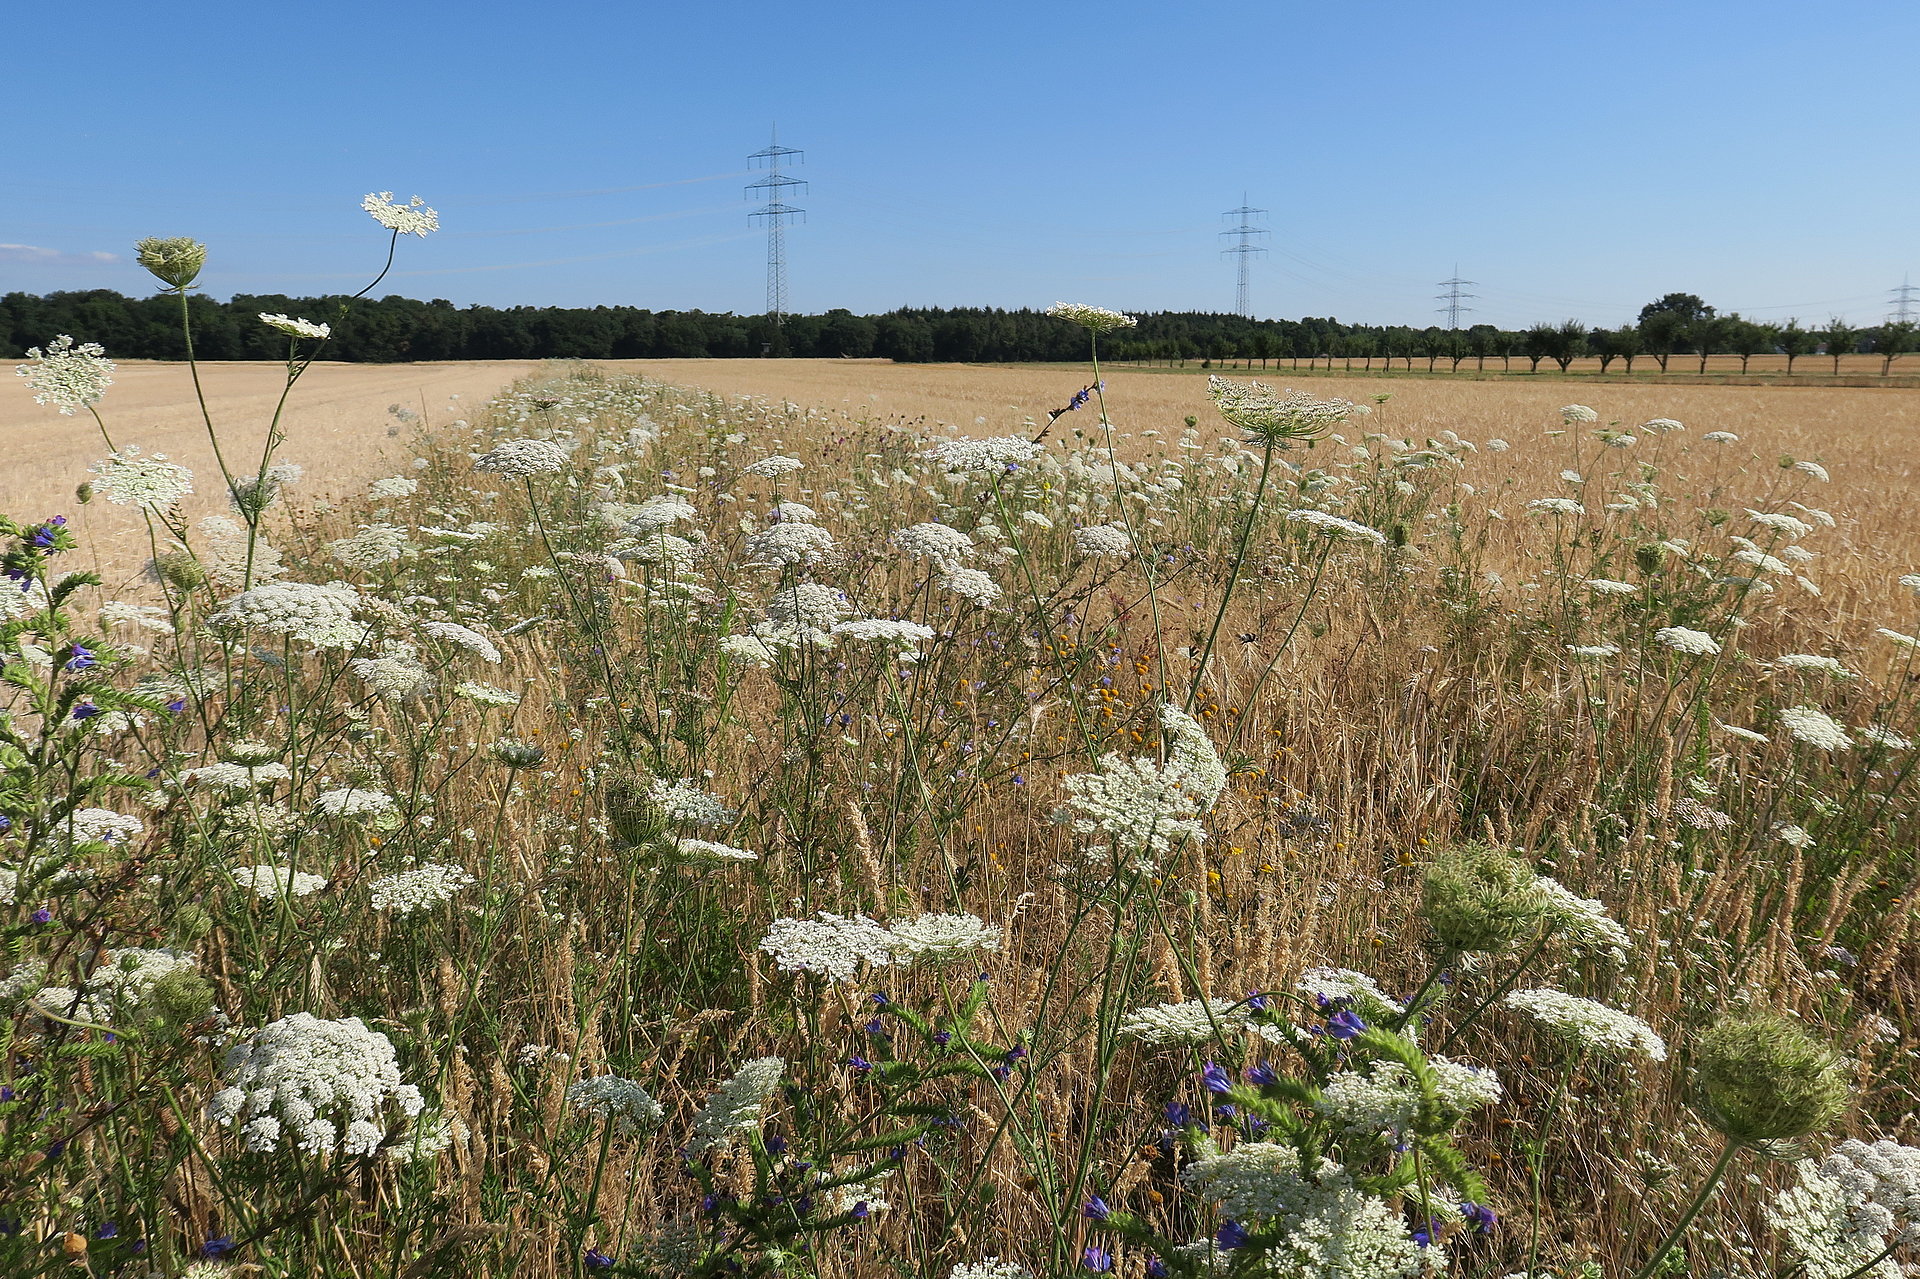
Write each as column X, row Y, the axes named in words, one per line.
column 789, row 545
column 989, row 1268
column 1192, row 1022
column 522, row 458
column 735, row 1108
column 1100, row 540
column 709, row 853
column 318, row 615
column 1582, row 921
column 1556, row 506
column 772, row 468
column 1811, row 726
column 373, row 546
column 1271, row 417
column 100, row 825
column 1344, row 983
column 624, row 1104
column 991, row 455
column 904, row 638
column 970, row 583
column 146, row 480
column 1589, row 1024
column 1847, row 1208
column 411, row 218
column 1144, row 806
column 271, row 882
column 397, row 673
column 1383, row 1099
column 323, row 1086
column 940, row 936
column 933, row 542
column 296, row 328
column 1336, row 527
column 1681, row 639
column 422, row 888
column 835, row 946
column 463, row 637
column 1096, row 318
column 1329, row 1228
column 350, row 801
column 66, row 376
column 683, row 802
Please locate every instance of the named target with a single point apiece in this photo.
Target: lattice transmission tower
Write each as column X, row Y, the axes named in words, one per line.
column 1453, row 297
column 1904, row 311
column 776, row 213
column 1244, row 250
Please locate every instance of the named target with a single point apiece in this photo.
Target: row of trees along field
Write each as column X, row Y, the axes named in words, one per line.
column 1673, row 332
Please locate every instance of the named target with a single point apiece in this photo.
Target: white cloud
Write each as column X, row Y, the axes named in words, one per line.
column 53, row 257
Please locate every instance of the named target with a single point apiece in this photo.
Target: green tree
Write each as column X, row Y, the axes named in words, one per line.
column 1569, row 343
column 1539, row 343
column 1839, row 338
column 1795, row 342
column 1668, row 325
column 1746, row 338
column 1622, row 343
column 1894, row 339
column 1483, row 340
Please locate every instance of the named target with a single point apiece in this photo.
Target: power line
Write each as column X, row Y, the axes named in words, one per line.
column 1903, row 297
column 1243, row 250
column 775, row 213
column 1454, row 296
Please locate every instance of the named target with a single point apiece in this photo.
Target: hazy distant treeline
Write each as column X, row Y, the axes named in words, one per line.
column 394, row 329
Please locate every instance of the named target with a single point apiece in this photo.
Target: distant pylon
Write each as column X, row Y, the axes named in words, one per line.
column 1903, row 298
column 1453, row 297
column 776, row 213
column 1243, row 250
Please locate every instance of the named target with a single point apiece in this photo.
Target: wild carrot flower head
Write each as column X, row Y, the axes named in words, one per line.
column 175, row 260
column 66, row 376
column 146, row 480
column 1761, row 1077
column 411, row 218
column 1096, row 319
column 1275, row 418
column 296, row 328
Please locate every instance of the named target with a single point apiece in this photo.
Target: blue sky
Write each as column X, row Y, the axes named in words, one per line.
column 1575, row 158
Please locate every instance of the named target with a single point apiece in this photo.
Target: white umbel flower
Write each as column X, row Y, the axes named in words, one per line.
column 1101, row 540
column 772, row 468
column 1383, row 1099
column 1589, row 1024
column 422, row 888
column 1556, row 506
column 1144, row 806
column 940, row 936
column 296, row 328
column 736, row 1107
column 1096, row 318
column 971, row 584
column 1193, row 1022
column 835, row 946
column 411, row 218
column 789, row 545
column 1582, row 921
column 318, row 615
column 322, row 1086
column 683, row 802
column 1681, row 639
column 989, row 1268
column 270, row 883
column 1337, row 527
column 146, row 480
column 933, row 542
column 964, row 455
column 1813, row 727
column 463, row 637
column 351, row 801
column 629, row 1108
column 522, row 458
column 66, row 376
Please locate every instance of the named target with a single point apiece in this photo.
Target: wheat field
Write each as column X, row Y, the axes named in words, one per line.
column 768, row 817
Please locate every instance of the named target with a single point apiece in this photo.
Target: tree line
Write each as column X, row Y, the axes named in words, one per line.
column 1678, row 327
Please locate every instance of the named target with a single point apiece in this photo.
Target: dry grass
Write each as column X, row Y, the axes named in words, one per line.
column 337, row 424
